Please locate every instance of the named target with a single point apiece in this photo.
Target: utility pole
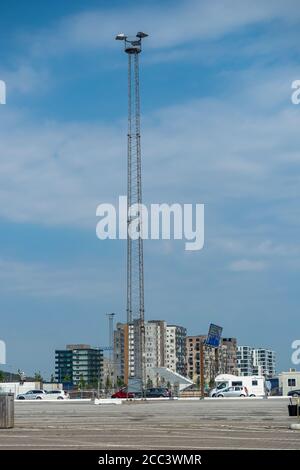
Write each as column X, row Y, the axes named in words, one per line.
column 110, row 317
column 135, row 261
column 110, row 334
column 202, row 365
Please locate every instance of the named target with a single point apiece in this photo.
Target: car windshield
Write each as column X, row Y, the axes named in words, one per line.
column 222, row 385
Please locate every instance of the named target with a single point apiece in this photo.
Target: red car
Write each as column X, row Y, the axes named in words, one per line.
column 122, row 393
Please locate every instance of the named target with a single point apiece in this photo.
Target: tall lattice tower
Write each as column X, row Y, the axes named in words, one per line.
column 135, row 262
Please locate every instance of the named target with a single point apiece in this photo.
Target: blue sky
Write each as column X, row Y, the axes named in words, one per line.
column 218, row 127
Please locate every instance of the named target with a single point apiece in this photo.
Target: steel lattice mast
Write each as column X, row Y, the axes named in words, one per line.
column 135, row 261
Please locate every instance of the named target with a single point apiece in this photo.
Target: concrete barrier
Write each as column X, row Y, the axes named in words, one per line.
column 69, row 400
column 295, row 426
column 108, row 401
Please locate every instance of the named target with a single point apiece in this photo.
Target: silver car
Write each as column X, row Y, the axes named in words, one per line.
column 32, row 395
column 237, row 391
column 57, row 395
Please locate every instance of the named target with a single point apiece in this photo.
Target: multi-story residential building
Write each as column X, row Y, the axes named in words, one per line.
column 121, row 351
column 164, row 347
column 256, row 361
column 155, row 337
column 175, row 349
column 64, row 365
column 79, row 363
column 264, row 362
column 244, row 360
column 216, row 361
column 231, row 355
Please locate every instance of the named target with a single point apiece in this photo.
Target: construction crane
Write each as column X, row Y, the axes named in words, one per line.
column 135, row 261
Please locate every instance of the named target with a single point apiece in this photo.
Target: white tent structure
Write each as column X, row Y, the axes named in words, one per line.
column 163, row 374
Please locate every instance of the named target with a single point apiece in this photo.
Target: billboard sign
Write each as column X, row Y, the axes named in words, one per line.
column 214, row 336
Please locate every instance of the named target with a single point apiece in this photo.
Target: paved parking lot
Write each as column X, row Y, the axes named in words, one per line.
column 209, row 424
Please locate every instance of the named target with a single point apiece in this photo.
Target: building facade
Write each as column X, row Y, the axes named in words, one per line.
column 155, row 338
column 264, row 362
column 289, row 381
column 256, row 361
column 231, row 355
column 164, row 347
column 79, row 363
column 120, row 353
column 244, row 360
column 175, row 349
column 222, row 360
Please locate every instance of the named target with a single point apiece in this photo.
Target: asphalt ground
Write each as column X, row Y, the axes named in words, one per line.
column 171, row 424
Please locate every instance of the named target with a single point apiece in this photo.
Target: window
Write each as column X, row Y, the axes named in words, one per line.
column 292, row 382
column 222, row 385
column 254, row 382
column 237, row 384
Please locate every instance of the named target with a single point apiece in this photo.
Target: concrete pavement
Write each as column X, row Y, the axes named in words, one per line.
column 208, row 424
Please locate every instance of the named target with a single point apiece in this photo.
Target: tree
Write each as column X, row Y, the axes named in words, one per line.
column 120, row 382
column 2, row 376
column 108, row 383
column 22, row 376
column 38, row 377
column 82, row 383
column 149, row 383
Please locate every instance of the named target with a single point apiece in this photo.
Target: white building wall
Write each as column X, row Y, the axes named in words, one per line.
column 170, row 349
column 289, row 381
column 256, row 361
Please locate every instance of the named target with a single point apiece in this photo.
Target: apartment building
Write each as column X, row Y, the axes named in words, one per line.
column 256, row 361
column 175, row 349
column 244, row 360
column 216, row 361
column 264, row 362
column 164, row 347
column 79, row 363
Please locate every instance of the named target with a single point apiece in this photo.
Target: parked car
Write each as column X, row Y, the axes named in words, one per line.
column 123, row 393
column 233, row 392
column 155, row 392
column 32, row 395
column 57, row 395
column 294, row 393
column 158, row 392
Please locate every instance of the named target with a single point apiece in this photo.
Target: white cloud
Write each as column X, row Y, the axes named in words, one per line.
column 247, row 265
column 39, row 280
column 172, row 25
column 208, row 151
column 25, row 78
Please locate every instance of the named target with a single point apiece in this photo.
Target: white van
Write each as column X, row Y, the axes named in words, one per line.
column 255, row 384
